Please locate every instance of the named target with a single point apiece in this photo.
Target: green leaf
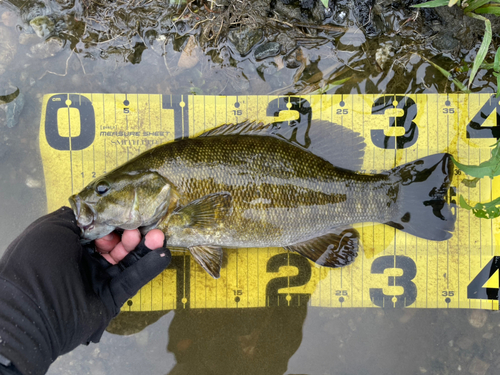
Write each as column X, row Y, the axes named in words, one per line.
column 490, row 168
column 325, row 3
column 464, row 204
column 489, row 10
column 483, row 50
column 498, row 83
column 432, row 4
column 475, row 5
column 452, row 2
column 496, row 63
column 488, row 210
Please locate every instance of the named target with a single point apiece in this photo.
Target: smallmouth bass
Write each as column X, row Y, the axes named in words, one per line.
column 244, row 185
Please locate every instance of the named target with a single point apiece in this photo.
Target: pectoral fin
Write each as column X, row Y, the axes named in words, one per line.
column 203, row 213
column 335, row 249
column 209, row 258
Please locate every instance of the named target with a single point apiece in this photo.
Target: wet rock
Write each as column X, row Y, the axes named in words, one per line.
column 8, row 48
column 13, row 110
column 190, row 54
column 43, row 26
column 477, row 318
column 245, row 38
column 384, row 54
column 267, row 50
column 46, row 49
column 445, row 42
column 287, row 43
column 465, row 342
column 478, row 367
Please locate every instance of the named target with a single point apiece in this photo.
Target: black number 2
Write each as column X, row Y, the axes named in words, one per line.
column 274, row 298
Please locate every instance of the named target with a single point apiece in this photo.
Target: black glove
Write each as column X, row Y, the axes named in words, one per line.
column 56, row 294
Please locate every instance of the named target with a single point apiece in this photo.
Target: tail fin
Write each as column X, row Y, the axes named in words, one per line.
column 423, row 186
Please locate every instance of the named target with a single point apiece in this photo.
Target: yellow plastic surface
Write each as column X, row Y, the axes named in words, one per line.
column 83, row 136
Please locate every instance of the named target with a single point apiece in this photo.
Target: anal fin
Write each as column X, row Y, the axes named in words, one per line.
column 335, row 249
column 209, row 258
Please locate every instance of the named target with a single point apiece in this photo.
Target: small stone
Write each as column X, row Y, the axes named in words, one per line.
column 9, row 18
column 287, row 43
column 245, row 38
column 43, row 26
column 32, row 183
column 423, row 370
column 384, row 54
column 46, row 49
column 464, row 342
column 267, row 50
column 190, row 55
column 488, row 335
column 13, row 110
column 477, row 318
column 478, row 367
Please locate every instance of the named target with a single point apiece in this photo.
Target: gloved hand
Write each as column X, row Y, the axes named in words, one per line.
column 56, row 294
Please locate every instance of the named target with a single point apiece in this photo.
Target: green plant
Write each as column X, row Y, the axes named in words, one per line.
column 490, row 168
column 474, row 9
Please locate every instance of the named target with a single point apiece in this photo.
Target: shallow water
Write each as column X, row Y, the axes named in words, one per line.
column 298, row 340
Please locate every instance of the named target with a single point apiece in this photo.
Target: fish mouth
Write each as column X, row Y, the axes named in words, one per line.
column 84, row 213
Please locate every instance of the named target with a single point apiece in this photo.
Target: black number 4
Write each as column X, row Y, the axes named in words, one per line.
column 475, row 289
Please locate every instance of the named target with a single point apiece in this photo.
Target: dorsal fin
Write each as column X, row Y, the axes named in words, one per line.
column 243, row 128
column 337, row 144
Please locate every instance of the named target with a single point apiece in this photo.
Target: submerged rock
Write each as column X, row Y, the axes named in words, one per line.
column 445, row 42
column 13, row 110
column 245, row 38
column 49, row 48
column 267, row 50
column 384, row 54
column 43, row 26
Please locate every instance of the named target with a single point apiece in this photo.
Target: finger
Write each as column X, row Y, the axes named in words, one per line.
column 154, row 239
column 130, row 239
column 118, row 253
column 107, row 243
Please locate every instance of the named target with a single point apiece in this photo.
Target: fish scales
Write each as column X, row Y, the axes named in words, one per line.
column 280, row 193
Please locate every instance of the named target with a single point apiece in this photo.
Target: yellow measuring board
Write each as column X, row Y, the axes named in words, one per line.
column 83, row 136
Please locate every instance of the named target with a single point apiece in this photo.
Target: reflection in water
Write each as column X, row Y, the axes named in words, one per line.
column 242, row 341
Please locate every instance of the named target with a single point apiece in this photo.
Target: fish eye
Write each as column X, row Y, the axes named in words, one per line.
column 102, row 187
